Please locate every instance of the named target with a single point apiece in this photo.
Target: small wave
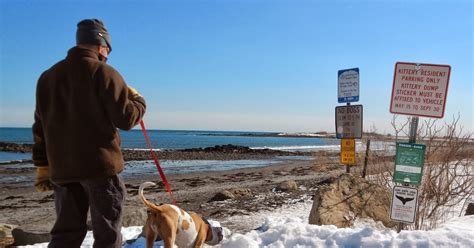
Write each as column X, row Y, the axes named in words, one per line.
column 360, row 146
column 142, row 149
column 15, row 180
column 11, row 161
column 189, row 166
column 301, row 148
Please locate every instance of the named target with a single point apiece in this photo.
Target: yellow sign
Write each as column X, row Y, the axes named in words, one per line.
column 348, row 151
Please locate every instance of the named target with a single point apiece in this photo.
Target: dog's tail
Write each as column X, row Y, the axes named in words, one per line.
column 142, row 197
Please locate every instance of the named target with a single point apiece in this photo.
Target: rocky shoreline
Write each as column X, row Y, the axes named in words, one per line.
column 219, row 152
column 13, row 147
column 223, row 152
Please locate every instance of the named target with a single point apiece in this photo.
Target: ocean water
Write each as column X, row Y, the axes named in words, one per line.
column 182, row 139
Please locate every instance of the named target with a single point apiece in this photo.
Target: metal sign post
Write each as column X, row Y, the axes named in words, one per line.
column 418, row 90
column 413, row 129
column 408, row 169
column 348, row 118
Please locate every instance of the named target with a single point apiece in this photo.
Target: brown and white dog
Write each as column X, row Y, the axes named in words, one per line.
column 175, row 226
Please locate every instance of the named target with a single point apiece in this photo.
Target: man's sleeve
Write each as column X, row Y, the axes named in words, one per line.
column 40, row 157
column 124, row 111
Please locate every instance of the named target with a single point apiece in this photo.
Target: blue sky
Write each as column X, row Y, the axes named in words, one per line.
column 244, row 65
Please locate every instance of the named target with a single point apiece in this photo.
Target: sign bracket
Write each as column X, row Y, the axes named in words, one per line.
column 412, row 140
column 348, row 168
column 413, row 129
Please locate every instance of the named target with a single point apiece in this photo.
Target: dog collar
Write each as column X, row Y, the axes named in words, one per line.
column 215, row 233
column 215, row 236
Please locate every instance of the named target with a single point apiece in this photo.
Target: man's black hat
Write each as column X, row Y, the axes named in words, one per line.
column 93, row 31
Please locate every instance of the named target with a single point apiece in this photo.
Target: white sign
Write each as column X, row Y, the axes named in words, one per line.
column 348, row 85
column 420, row 89
column 404, row 204
column 349, row 122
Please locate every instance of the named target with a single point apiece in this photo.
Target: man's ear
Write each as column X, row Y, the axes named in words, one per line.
column 103, row 51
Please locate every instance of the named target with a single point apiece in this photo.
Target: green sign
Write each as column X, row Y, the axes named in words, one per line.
column 409, row 163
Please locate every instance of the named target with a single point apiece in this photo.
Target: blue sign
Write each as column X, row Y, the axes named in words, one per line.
column 348, row 85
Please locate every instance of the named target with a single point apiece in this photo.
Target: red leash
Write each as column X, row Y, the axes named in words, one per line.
column 157, row 163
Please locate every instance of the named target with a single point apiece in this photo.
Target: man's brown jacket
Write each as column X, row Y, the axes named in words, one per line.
column 80, row 103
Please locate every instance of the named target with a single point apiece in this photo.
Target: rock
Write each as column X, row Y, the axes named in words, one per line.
column 6, row 237
column 222, row 196
column 12, row 147
column 236, row 149
column 287, row 186
column 130, row 217
column 218, row 152
column 29, row 237
column 231, row 194
column 241, row 192
column 348, row 197
column 134, row 216
column 229, row 148
column 470, row 209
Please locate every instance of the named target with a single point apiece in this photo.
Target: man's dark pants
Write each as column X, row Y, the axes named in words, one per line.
column 104, row 197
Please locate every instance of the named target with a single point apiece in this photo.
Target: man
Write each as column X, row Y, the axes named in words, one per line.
column 80, row 103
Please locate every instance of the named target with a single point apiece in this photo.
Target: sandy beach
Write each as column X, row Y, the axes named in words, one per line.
column 21, row 205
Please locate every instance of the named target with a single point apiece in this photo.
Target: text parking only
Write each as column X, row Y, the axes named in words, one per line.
column 348, row 85
column 420, row 89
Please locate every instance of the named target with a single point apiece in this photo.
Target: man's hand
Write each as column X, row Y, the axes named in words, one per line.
column 133, row 93
column 42, row 182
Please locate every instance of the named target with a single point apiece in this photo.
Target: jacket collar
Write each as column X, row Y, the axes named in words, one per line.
column 81, row 52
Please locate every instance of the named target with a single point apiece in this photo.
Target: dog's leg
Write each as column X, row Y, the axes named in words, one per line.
column 201, row 237
column 168, row 233
column 202, row 233
column 150, row 233
column 169, row 241
column 150, row 239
